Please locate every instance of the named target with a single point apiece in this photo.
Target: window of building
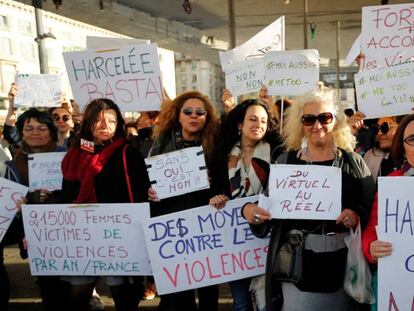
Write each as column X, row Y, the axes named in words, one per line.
column 194, row 78
column 5, row 46
column 27, row 51
column 25, row 27
column 4, row 23
column 193, row 64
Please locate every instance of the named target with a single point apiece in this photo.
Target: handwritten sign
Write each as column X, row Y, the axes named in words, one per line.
column 387, row 35
column 45, row 171
column 395, row 225
column 130, row 76
column 385, row 91
column 38, row 90
column 291, row 72
column 305, row 191
column 203, row 246
column 178, row 172
column 271, row 38
column 10, row 193
column 245, row 77
column 99, row 239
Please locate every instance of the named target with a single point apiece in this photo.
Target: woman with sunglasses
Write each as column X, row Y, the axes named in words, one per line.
column 316, row 133
column 187, row 121
column 402, row 152
column 378, row 158
column 64, row 123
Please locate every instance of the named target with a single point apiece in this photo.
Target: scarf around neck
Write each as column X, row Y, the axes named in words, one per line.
column 407, row 169
column 82, row 166
column 247, row 181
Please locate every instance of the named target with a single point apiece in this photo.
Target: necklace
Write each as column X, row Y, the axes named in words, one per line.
column 305, row 153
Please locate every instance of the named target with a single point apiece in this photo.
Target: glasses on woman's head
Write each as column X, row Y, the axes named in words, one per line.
column 409, row 140
column 384, row 128
column 65, row 117
column 189, row 111
column 323, row 118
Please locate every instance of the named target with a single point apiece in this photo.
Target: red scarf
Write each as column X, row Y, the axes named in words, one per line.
column 82, row 166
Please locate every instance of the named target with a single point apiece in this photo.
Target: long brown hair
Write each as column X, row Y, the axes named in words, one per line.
column 169, row 116
column 397, row 149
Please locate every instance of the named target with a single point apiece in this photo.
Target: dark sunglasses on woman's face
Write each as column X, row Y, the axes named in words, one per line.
column 409, row 140
column 323, row 118
column 189, row 111
column 57, row 117
column 384, row 128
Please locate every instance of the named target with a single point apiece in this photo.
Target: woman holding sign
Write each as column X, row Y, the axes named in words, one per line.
column 245, row 150
column 316, row 133
column 102, row 168
column 187, row 121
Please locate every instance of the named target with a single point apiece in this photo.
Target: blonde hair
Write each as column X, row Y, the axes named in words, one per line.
column 293, row 131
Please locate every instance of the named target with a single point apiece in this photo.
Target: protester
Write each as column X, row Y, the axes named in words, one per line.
column 275, row 107
column 145, row 124
column 248, row 137
column 99, row 162
column 316, row 133
column 64, row 123
column 403, row 156
column 10, row 133
column 188, row 120
column 39, row 135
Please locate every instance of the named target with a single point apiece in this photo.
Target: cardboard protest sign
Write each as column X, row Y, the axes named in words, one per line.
column 386, row 91
column 38, row 90
column 291, row 72
column 86, row 239
column 245, row 77
column 178, row 172
column 130, row 76
column 10, row 193
column 354, row 51
column 305, row 191
column 203, row 246
column 271, row 38
column 94, row 42
column 45, row 171
column 395, row 225
column 387, row 35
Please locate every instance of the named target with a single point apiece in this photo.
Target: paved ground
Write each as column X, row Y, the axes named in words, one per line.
column 25, row 294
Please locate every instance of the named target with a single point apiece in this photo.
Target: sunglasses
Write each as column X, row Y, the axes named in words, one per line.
column 57, row 117
column 323, row 118
column 409, row 140
column 384, row 128
column 198, row 112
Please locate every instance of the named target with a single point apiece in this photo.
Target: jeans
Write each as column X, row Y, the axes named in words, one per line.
column 242, row 300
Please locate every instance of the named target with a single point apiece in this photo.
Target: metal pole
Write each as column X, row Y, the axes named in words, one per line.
column 232, row 24
column 338, row 47
column 305, row 23
column 40, row 36
column 282, row 108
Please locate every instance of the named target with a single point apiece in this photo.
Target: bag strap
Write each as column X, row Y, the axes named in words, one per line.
column 131, row 197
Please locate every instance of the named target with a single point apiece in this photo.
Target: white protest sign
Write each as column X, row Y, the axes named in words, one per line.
column 178, row 172
column 10, row 193
column 88, row 239
column 386, row 91
column 130, row 76
column 38, row 90
column 305, row 191
column 244, row 77
column 387, row 35
column 354, row 51
column 93, row 42
column 203, row 246
column 45, row 171
column 291, row 72
column 271, row 38
column 395, row 225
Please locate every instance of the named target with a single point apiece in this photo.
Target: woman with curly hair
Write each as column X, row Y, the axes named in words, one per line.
column 187, row 121
column 316, row 133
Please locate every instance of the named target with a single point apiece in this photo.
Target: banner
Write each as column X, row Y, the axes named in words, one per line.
column 10, row 193
column 86, row 239
column 395, row 225
column 305, row 191
column 245, row 77
column 45, row 171
column 130, row 76
column 386, row 91
column 178, row 172
column 38, row 90
column 203, row 246
column 387, row 35
column 271, row 38
column 291, row 72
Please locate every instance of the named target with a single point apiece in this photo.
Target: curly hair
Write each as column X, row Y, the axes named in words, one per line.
column 169, row 120
column 40, row 116
column 293, row 131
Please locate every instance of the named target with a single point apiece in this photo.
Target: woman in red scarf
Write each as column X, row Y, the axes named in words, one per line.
column 94, row 171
